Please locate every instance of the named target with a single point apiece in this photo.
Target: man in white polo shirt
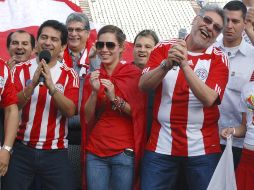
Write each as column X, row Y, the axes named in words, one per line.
column 241, row 56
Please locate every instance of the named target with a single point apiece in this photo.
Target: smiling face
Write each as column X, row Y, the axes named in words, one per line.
column 142, row 50
column 205, row 30
column 20, row 46
column 50, row 39
column 109, row 56
column 77, row 36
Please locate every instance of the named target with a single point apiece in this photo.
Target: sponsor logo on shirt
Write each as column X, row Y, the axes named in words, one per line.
column 202, row 73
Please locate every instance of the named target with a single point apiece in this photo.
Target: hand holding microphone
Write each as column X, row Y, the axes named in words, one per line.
column 181, row 35
column 45, row 54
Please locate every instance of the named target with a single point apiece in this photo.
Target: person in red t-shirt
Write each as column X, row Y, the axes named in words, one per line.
column 189, row 77
column 112, row 109
column 8, row 101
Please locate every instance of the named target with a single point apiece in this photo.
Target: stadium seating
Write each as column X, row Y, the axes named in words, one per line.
column 165, row 18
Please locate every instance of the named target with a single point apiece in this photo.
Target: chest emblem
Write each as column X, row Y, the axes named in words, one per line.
column 201, row 73
column 59, row 87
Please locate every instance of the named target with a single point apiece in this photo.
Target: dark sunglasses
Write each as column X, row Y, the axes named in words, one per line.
column 208, row 20
column 100, row 45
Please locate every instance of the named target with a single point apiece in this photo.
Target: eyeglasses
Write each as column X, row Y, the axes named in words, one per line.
column 78, row 30
column 100, row 45
column 208, row 20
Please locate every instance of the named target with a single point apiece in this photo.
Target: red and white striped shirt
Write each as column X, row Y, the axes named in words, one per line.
column 182, row 126
column 7, row 90
column 42, row 124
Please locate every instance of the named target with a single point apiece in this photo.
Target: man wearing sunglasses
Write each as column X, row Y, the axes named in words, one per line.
column 185, row 118
column 241, row 56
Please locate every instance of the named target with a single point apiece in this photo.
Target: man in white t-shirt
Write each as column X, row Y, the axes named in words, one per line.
column 241, row 56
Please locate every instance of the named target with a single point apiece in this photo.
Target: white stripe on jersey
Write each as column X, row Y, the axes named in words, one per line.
column 164, row 143
column 217, row 89
column 193, row 132
column 5, row 77
column 74, row 74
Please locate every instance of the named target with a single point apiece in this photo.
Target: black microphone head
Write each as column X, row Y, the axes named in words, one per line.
column 45, row 54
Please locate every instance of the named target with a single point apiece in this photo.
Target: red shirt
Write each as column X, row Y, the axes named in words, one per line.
column 7, row 91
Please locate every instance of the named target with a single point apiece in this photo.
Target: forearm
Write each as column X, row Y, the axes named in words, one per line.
column 25, row 95
column 11, row 122
column 152, row 79
column 119, row 104
column 239, row 131
column 64, row 104
column 204, row 93
column 90, row 106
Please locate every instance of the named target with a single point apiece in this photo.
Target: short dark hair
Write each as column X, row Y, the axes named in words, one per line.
column 57, row 26
column 236, row 6
column 145, row 33
column 120, row 36
column 32, row 38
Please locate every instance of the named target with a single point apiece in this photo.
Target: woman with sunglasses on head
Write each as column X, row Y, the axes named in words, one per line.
column 112, row 111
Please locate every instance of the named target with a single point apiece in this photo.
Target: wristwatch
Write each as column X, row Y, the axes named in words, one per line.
column 8, row 148
column 164, row 65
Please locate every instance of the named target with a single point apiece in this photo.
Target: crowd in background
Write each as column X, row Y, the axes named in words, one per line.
column 159, row 122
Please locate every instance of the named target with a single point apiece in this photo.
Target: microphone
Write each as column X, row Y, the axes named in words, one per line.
column 44, row 54
column 181, row 35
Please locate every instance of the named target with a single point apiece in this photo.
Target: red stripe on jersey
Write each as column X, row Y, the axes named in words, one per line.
column 52, row 119
column 210, row 130
column 60, row 143
column 51, row 126
column 179, row 116
column 26, row 109
column 153, row 139
column 35, row 132
column 2, row 75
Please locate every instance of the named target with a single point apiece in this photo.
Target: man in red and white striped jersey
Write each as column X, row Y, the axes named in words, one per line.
column 8, row 101
column 41, row 146
column 189, row 77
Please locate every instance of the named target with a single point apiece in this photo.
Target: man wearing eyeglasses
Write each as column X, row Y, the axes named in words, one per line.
column 189, row 77
column 241, row 56
column 76, row 53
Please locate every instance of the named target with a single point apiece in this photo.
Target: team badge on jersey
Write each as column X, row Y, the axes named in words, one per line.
column 202, row 73
column 1, row 82
column 29, row 81
column 59, row 88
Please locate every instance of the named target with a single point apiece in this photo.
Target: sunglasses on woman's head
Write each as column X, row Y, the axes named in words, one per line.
column 100, row 45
